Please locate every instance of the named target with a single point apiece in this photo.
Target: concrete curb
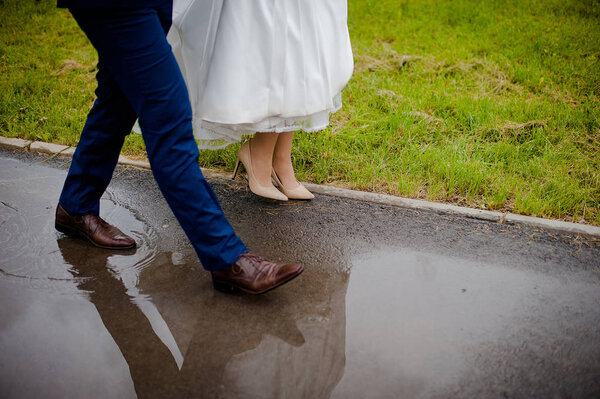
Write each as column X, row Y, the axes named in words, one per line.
column 49, row 148
column 12, row 142
column 123, row 160
column 499, row 217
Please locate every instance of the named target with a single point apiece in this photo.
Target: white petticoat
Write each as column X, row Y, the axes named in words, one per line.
column 261, row 65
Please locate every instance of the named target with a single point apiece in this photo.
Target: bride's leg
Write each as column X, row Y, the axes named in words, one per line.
column 284, row 170
column 282, row 159
column 261, row 153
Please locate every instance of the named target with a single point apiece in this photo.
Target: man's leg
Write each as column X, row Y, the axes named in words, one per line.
column 132, row 46
column 108, row 122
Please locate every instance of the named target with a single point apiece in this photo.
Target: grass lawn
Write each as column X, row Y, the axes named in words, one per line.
column 488, row 104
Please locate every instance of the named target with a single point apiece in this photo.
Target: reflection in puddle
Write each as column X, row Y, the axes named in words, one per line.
column 213, row 344
column 415, row 320
column 29, row 251
column 307, row 362
column 147, row 322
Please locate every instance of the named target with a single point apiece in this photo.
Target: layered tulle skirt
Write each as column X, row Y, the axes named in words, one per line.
column 261, row 65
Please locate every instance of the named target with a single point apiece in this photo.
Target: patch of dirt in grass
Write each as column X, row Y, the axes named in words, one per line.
column 389, row 94
column 388, row 60
column 510, row 126
column 490, row 77
column 510, row 130
column 426, row 117
column 67, row 66
column 561, row 97
column 338, row 122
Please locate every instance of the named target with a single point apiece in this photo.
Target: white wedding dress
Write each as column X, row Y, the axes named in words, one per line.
column 261, row 65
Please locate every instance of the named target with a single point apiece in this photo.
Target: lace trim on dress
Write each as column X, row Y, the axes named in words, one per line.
column 214, row 136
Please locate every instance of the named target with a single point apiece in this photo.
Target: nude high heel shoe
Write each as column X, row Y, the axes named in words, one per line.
column 264, row 191
column 298, row 192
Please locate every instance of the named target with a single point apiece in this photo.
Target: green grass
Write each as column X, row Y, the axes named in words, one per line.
column 488, row 104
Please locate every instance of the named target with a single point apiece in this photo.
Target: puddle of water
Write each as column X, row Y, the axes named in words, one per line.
column 28, row 240
column 416, row 321
column 56, row 346
column 147, row 322
column 308, row 362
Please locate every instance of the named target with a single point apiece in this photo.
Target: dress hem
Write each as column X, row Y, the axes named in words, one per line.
column 214, row 136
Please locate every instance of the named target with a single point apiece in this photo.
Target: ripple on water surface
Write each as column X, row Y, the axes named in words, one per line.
column 34, row 254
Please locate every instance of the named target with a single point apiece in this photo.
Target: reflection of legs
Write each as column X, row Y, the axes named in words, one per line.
column 131, row 43
column 152, row 367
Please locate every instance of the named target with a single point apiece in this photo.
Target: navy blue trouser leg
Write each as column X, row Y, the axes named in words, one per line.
column 139, row 77
column 108, row 122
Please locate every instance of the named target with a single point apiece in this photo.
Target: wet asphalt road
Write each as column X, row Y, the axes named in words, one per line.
column 394, row 303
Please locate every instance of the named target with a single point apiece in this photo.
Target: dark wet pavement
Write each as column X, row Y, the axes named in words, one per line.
column 393, row 303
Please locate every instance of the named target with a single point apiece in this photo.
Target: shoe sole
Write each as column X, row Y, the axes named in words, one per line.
column 229, row 288
column 70, row 231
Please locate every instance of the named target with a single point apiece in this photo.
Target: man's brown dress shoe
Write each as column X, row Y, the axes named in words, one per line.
column 254, row 274
column 94, row 228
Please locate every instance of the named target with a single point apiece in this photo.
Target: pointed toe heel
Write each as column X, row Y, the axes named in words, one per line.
column 299, row 192
column 263, row 191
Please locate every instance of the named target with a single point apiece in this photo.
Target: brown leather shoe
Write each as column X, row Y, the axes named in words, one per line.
column 254, row 275
column 94, row 228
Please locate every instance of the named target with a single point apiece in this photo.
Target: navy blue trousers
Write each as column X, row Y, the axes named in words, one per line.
column 138, row 77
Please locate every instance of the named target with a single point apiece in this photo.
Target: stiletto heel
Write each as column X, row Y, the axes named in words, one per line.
column 298, row 192
column 245, row 158
column 235, row 170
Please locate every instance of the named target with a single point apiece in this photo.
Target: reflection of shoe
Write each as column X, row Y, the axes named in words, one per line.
column 263, row 191
column 94, row 228
column 254, row 274
column 298, row 192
